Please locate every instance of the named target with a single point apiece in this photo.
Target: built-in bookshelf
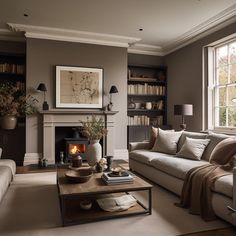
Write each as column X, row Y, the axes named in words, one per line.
column 147, row 94
column 12, row 70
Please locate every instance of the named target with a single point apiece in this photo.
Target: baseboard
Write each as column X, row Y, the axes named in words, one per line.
column 31, row 158
column 121, row 154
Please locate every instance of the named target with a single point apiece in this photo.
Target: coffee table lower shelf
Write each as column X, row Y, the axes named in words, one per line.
column 72, row 214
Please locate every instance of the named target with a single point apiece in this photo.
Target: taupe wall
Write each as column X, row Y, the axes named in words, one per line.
column 140, row 59
column 42, row 57
column 12, row 47
column 185, row 78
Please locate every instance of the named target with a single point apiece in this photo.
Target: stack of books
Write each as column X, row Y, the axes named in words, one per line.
column 111, row 178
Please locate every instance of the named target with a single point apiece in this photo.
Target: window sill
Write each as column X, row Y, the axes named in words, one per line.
column 230, row 131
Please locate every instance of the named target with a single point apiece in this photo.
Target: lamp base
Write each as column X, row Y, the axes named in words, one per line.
column 183, row 126
column 45, row 106
column 109, row 106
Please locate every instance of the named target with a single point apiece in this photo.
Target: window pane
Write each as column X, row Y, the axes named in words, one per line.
column 232, row 73
column 220, row 116
column 222, row 75
column 222, row 56
column 222, row 96
column 232, row 53
column 231, row 95
column 232, row 116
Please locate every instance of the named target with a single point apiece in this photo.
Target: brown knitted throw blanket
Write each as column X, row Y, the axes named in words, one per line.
column 196, row 193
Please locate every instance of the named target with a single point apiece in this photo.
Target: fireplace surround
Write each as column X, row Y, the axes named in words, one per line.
column 71, row 118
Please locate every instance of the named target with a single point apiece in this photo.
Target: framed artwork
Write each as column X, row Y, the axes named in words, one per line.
column 79, row 87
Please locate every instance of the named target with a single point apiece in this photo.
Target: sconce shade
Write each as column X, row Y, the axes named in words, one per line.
column 42, row 87
column 113, row 89
column 183, row 110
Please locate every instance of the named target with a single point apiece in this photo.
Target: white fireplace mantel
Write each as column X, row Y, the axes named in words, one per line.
column 71, row 118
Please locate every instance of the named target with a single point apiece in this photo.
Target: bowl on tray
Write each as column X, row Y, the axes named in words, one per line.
column 79, row 176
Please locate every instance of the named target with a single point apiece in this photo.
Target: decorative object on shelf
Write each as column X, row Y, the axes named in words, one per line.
column 42, row 88
column 86, row 204
column 112, row 90
column 94, row 130
column 61, row 158
column 79, row 176
column 148, row 105
column 131, row 104
column 109, row 163
column 79, row 87
column 43, row 162
column 14, row 103
column 183, row 110
column 101, row 165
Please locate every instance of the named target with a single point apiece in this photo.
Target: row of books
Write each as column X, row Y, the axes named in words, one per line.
column 12, row 68
column 111, row 179
column 145, row 120
column 146, row 89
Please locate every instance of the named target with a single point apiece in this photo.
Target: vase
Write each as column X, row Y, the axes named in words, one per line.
column 8, row 122
column 93, row 152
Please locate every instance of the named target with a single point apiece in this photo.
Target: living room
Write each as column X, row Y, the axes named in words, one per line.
column 112, row 40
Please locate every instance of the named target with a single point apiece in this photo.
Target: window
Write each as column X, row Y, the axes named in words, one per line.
column 222, row 81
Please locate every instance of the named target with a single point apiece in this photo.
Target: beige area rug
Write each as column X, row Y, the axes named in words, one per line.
column 31, row 207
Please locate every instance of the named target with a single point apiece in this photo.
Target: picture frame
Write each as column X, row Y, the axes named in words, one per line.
column 79, row 87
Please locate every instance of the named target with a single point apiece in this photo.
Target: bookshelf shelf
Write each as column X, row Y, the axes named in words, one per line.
column 147, row 86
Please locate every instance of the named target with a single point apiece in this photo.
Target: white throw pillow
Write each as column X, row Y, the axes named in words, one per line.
column 193, row 148
column 166, row 141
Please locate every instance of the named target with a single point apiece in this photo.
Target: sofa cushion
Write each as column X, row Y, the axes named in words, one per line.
column 193, row 148
column 215, row 139
column 153, row 136
column 223, row 152
column 5, row 179
column 194, row 135
column 10, row 164
column 175, row 166
column 224, row 185
column 166, row 141
column 143, row 156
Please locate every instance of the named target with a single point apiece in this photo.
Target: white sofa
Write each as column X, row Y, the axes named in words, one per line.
column 7, row 172
column 169, row 171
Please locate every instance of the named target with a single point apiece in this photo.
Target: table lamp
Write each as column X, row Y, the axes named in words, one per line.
column 183, row 110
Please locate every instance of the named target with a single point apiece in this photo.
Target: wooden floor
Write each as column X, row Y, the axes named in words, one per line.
column 220, row 232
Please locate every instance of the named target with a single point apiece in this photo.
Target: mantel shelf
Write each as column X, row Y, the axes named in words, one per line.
column 79, row 112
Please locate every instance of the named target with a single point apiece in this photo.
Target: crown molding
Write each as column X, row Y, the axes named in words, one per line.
column 7, row 35
column 210, row 26
column 215, row 23
column 49, row 33
column 146, row 49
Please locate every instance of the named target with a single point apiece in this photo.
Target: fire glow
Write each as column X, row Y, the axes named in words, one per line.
column 76, row 148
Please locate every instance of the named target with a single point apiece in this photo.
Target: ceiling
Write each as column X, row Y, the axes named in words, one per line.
column 167, row 24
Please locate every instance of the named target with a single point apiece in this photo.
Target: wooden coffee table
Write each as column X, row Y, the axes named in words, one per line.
column 70, row 196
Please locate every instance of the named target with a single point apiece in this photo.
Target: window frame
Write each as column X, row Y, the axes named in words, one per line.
column 213, row 87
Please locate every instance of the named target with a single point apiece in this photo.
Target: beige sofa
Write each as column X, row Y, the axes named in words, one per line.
column 169, row 171
column 7, row 172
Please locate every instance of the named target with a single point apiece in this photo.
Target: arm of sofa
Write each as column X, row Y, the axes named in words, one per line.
column 138, row 145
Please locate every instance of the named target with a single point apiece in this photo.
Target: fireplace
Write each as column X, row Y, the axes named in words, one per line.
column 75, row 146
column 54, row 119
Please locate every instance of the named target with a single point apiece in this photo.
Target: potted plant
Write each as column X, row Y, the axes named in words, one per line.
column 94, row 130
column 14, row 103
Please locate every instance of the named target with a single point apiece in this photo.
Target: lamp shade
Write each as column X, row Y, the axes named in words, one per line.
column 42, row 87
column 183, row 110
column 113, row 89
